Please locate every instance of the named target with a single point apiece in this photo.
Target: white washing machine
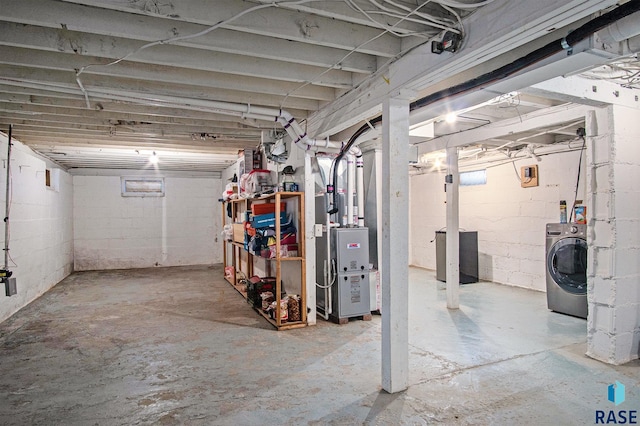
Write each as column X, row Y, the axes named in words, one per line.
column 567, row 268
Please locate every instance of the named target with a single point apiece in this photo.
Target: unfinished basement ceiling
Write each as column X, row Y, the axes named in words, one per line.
column 105, row 83
column 84, row 81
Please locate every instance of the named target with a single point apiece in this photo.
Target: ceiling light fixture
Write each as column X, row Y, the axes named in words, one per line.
column 451, row 117
column 153, row 158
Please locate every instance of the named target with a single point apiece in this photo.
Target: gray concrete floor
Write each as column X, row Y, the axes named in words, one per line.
column 180, row 346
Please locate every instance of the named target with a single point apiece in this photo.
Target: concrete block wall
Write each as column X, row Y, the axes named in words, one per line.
column 614, row 234
column 510, row 220
column 115, row 232
column 41, row 226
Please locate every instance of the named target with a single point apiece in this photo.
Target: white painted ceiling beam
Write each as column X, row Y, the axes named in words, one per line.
column 121, row 130
column 42, row 138
column 160, row 73
column 221, row 148
column 528, row 100
column 123, row 151
column 587, row 91
column 55, row 15
column 90, row 49
column 60, row 115
column 32, row 105
column 499, row 27
column 111, row 110
column 343, row 12
column 61, row 123
column 272, row 22
column 77, row 166
column 72, row 98
column 115, row 133
column 104, row 85
column 503, row 129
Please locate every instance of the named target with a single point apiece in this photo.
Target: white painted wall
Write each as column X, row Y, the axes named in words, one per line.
column 41, row 227
column 510, row 220
column 115, row 232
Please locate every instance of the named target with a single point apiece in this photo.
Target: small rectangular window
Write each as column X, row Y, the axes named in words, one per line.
column 476, row 177
column 142, row 187
column 52, row 179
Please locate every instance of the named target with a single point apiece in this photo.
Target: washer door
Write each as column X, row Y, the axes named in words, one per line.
column 567, row 264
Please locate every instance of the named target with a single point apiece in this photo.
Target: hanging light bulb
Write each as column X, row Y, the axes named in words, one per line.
column 451, row 117
column 153, row 158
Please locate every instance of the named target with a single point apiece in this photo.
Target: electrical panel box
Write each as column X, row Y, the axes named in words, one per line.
column 528, row 176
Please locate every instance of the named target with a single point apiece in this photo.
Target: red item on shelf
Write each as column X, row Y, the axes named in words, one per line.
column 266, row 208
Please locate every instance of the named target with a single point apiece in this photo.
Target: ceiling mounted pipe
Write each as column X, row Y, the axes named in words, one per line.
column 621, row 30
column 633, row 44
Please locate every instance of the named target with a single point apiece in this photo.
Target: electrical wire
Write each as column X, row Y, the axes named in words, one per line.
column 458, row 5
column 351, row 52
column 15, row 265
column 315, row 78
column 363, row 129
column 518, row 65
column 9, row 202
column 534, row 57
column 332, row 274
column 184, row 37
column 575, row 195
column 625, row 72
column 427, row 20
column 488, row 163
column 380, row 25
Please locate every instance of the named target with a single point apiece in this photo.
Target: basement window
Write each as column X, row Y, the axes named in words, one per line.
column 52, row 179
column 476, row 177
column 142, row 187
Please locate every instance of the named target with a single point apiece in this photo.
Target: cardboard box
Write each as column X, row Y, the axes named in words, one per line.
column 238, row 232
column 267, row 220
column 581, row 214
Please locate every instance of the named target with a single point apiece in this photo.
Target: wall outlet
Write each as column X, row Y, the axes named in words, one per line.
column 317, row 230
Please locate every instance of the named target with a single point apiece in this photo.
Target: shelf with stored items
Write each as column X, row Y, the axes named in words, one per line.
column 264, row 255
column 234, row 264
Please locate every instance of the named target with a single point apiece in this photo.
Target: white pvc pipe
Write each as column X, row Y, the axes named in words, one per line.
column 351, row 185
column 292, row 127
column 623, row 29
column 360, row 188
